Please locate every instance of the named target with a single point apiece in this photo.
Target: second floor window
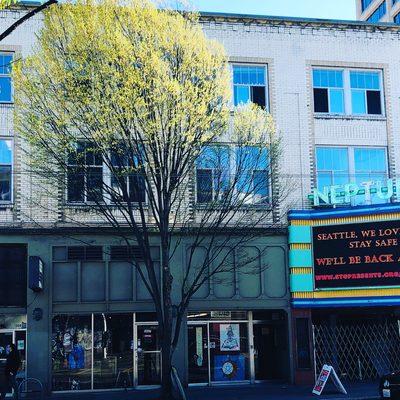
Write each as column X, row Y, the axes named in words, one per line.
column 348, row 91
column 242, row 173
column 5, row 170
column 84, row 174
column 250, row 84
column 343, row 165
column 212, row 174
column 128, row 178
column 6, row 95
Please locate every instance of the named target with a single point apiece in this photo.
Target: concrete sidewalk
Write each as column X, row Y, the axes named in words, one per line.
column 363, row 391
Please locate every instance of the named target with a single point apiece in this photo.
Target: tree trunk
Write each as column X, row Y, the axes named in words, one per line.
column 166, row 354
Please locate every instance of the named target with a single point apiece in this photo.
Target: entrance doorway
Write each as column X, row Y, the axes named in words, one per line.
column 148, row 355
column 237, row 346
column 16, row 337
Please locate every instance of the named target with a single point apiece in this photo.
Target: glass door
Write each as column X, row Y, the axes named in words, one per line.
column 198, row 353
column 148, row 355
column 6, row 338
column 229, row 352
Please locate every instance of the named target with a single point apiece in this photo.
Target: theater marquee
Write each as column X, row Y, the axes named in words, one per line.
column 357, row 255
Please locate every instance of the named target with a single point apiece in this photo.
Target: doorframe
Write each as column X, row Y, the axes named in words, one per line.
column 136, row 355
column 250, row 341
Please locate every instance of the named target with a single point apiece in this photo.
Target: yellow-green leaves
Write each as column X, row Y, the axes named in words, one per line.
column 7, row 3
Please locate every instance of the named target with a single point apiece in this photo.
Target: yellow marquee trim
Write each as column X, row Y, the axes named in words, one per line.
column 346, row 220
column 347, row 293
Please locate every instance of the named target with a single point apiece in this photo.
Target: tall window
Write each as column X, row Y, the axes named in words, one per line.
column 328, row 91
column 342, row 165
column 332, row 166
column 365, row 92
column 6, row 95
column 396, row 19
column 348, row 91
column 128, row 176
column 253, row 174
column 5, row 170
column 378, row 14
column 242, row 171
column 212, row 174
column 85, row 173
column 250, row 84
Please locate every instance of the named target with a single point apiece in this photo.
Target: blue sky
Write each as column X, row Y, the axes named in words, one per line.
column 332, row 9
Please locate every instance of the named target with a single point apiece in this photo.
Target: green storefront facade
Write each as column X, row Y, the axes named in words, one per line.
column 93, row 325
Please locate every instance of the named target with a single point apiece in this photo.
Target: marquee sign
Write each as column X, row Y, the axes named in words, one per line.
column 342, row 194
column 357, row 255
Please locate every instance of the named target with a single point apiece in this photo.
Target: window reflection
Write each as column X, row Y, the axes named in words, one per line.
column 72, row 352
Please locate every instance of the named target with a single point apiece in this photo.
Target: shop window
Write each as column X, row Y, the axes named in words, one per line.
column 6, row 92
column 112, row 359
column 360, row 165
column 13, row 270
column 6, row 162
column 72, row 352
column 328, row 91
column 249, row 85
column 365, row 92
column 84, row 173
column 303, row 355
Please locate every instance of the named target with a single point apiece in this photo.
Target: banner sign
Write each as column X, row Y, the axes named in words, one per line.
column 357, row 255
column 326, row 372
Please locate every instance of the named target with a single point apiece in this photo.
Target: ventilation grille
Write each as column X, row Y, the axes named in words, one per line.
column 126, row 253
column 85, row 253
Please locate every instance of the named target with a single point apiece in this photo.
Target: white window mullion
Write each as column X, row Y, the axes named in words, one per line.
column 347, row 92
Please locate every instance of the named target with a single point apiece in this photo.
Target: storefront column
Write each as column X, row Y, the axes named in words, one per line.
column 303, row 347
column 251, row 346
column 38, row 355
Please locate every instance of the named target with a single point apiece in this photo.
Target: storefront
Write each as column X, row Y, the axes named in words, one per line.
column 13, row 331
column 345, row 287
column 105, row 351
column 237, row 346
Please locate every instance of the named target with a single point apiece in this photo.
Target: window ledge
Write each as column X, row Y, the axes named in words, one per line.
column 92, row 206
column 351, row 117
column 6, row 206
column 260, row 207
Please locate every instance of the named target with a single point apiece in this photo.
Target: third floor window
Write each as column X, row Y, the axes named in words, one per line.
column 348, row 91
column 250, row 84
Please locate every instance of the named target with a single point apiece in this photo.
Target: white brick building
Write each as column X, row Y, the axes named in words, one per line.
column 333, row 89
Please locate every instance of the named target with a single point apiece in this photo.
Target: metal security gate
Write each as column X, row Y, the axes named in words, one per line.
column 359, row 349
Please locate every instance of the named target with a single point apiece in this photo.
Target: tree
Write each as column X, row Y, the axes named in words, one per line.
column 36, row 10
column 141, row 93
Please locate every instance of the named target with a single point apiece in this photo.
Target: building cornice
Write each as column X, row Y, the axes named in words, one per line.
column 248, row 19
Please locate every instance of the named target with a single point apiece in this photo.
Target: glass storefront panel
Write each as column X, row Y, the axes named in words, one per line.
column 198, row 353
column 148, row 355
column 229, row 352
column 113, row 351
column 72, row 352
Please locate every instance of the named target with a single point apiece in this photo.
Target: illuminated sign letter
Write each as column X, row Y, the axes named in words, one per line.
column 324, row 196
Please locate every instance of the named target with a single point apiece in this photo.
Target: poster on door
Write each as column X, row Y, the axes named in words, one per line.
column 229, row 337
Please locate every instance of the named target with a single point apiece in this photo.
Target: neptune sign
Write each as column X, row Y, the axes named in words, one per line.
column 343, row 194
